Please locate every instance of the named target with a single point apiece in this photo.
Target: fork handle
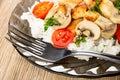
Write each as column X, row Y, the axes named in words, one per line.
column 105, row 56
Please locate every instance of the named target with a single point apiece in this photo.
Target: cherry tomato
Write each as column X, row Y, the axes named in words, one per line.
column 41, row 9
column 62, row 37
column 117, row 34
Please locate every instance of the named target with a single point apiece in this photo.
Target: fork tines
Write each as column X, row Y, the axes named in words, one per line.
column 26, row 42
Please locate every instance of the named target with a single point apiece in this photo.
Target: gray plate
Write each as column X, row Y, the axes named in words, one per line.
column 70, row 66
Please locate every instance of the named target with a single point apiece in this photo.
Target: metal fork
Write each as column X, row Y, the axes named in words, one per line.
column 47, row 51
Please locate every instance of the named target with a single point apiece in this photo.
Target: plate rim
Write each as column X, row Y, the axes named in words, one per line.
column 55, row 72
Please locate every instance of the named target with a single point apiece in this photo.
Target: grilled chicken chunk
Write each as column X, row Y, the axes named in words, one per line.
column 79, row 11
column 70, row 3
column 91, row 16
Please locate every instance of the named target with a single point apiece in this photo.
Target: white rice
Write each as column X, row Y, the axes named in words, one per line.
column 37, row 25
column 37, row 31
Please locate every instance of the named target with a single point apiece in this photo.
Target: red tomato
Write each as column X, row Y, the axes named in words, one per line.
column 41, row 9
column 62, row 37
column 117, row 34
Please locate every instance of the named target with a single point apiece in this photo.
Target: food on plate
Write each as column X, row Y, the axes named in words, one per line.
column 73, row 25
column 89, row 29
column 116, row 4
column 51, row 22
column 117, row 34
column 79, row 11
column 41, row 9
column 108, row 28
column 70, row 3
column 91, row 15
column 92, row 25
column 62, row 13
column 110, row 11
column 90, row 3
column 62, row 37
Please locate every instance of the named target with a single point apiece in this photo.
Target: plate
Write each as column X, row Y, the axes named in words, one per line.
column 72, row 67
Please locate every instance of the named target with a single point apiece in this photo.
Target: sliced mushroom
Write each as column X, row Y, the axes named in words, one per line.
column 103, row 22
column 109, row 11
column 116, row 19
column 52, row 11
column 107, row 26
column 86, row 33
column 62, row 13
column 109, row 33
column 92, row 30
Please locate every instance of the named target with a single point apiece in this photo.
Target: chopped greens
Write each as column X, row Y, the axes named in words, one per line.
column 51, row 22
column 96, row 7
column 117, row 4
column 78, row 40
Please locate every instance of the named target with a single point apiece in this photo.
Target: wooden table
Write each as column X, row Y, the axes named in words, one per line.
column 15, row 67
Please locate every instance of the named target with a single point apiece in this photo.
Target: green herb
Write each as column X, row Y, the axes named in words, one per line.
column 96, row 7
column 51, row 22
column 104, row 45
column 102, row 51
column 117, row 4
column 78, row 40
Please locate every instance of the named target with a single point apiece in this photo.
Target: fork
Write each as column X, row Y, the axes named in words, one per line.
column 47, row 51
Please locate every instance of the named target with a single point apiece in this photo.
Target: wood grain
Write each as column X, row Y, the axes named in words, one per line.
column 15, row 67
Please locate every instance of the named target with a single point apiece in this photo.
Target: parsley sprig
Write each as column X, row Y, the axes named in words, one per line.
column 51, row 22
column 117, row 4
column 78, row 41
column 96, row 7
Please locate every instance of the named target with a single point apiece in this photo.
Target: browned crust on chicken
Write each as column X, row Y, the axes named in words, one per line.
column 91, row 16
column 73, row 24
column 79, row 11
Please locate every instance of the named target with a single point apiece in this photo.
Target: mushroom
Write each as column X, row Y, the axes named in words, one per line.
column 109, row 11
column 62, row 13
column 107, row 26
column 109, row 33
column 89, row 29
column 86, row 33
column 116, row 19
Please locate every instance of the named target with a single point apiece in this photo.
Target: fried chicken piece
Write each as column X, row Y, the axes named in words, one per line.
column 79, row 11
column 90, row 3
column 73, row 25
column 91, row 16
column 70, row 3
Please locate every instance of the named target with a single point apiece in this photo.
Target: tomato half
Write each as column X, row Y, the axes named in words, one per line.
column 62, row 37
column 41, row 9
column 117, row 34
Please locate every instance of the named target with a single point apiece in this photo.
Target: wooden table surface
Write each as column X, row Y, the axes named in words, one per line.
column 15, row 67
